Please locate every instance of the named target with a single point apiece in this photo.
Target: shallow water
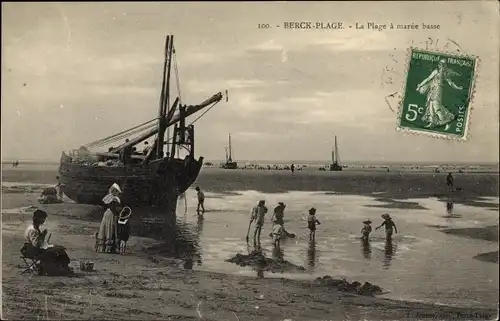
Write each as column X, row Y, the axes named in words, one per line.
column 422, row 263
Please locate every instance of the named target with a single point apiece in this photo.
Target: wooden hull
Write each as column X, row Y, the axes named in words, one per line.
column 335, row 167
column 157, row 183
column 230, row 165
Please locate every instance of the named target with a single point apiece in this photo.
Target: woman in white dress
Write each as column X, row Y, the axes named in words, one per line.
column 436, row 114
column 107, row 236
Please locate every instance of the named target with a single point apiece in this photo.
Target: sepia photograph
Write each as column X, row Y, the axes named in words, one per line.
column 234, row 161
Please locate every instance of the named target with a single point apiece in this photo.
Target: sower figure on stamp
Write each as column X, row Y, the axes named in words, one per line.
column 436, row 114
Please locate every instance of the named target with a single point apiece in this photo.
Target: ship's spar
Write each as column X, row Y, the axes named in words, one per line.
column 150, row 179
column 166, row 116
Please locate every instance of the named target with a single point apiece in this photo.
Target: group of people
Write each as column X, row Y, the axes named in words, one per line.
column 388, row 223
column 259, row 211
column 257, row 216
column 114, row 230
column 112, row 237
column 52, row 195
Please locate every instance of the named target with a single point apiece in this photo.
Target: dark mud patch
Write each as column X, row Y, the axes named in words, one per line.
column 488, row 257
column 438, row 226
column 393, row 204
column 257, row 260
column 355, row 287
column 488, row 233
column 452, row 216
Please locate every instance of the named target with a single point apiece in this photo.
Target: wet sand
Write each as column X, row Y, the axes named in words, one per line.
column 395, row 185
column 489, row 233
column 142, row 286
column 136, row 286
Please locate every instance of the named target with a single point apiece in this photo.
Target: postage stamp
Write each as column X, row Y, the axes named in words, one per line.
column 437, row 94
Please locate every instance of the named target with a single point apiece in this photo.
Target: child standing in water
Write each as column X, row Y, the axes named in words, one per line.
column 201, row 201
column 389, row 226
column 311, row 223
column 277, row 233
column 367, row 229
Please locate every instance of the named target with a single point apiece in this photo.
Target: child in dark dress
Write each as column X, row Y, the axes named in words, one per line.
column 124, row 229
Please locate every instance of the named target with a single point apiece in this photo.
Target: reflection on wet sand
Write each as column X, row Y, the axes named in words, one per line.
column 278, row 253
column 366, row 248
column 181, row 241
column 389, row 252
column 449, row 210
column 311, row 254
column 256, row 250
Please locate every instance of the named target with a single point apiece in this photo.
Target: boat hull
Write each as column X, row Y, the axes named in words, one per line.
column 158, row 183
column 230, row 165
column 335, row 167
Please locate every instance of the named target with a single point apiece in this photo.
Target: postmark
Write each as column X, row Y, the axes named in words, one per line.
column 437, row 94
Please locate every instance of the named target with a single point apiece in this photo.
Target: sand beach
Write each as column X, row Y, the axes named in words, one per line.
column 151, row 284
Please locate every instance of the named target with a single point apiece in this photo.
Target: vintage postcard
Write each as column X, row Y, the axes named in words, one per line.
column 234, row 161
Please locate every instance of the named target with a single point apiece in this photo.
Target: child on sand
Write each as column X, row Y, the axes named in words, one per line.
column 311, row 222
column 277, row 233
column 367, row 229
column 389, row 225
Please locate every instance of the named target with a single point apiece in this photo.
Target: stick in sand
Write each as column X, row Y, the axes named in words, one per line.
column 248, row 232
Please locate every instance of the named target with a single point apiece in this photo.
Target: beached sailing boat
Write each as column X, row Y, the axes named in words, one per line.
column 335, row 165
column 155, row 177
column 229, row 158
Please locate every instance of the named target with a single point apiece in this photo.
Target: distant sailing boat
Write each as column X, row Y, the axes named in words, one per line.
column 229, row 161
column 335, row 166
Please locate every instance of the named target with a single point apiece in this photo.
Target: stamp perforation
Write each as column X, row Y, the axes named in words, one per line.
column 472, row 93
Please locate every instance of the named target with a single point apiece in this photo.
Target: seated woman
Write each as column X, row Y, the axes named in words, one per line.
column 107, row 237
column 49, row 196
column 53, row 258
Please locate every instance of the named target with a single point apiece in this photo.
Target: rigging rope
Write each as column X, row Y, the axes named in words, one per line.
column 119, row 137
column 99, row 141
column 176, row 69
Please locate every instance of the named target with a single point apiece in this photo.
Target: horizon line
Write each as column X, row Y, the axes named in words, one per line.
column 347, row 162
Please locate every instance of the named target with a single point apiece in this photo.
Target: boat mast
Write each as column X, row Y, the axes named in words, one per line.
column 336, row 151
column 165, row 96
column 230, row 149
column 226, row 155
column 333, row 152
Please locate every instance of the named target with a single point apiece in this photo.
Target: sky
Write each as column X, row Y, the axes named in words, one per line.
column 76, row 72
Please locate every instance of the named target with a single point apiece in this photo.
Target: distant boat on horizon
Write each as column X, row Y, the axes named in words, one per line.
column 230, row 164
column 335, row 165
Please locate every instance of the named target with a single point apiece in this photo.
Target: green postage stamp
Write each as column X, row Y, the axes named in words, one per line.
column 437, row 94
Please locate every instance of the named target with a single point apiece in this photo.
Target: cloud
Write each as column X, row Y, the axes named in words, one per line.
column 289, row 88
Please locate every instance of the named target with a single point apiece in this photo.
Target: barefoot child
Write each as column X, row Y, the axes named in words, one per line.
column 311, row 222
column 389, row 226
column 367, row 229
column 277, row 233
column 201, row 201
